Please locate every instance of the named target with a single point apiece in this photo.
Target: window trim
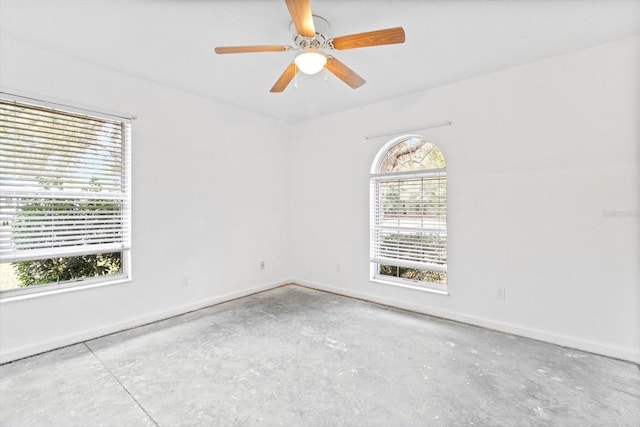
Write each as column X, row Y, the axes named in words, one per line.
column 94, row 281
column 407, row 283
column 376, row 175
column 66, row 286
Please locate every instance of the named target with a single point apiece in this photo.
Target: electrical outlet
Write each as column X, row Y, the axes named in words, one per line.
column 261, row 265
column 501, row 293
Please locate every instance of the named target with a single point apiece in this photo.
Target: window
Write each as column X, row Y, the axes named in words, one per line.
column 64, row 196
column 409, row 215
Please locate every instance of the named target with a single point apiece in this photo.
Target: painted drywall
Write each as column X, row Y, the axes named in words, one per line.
column 209, row 203
column 543, row 184
column 543, row 199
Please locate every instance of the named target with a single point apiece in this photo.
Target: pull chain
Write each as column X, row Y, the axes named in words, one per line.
column 295, row 78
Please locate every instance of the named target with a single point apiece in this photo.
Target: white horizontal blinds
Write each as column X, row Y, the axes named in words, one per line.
column 409, row 219
column 63, row 183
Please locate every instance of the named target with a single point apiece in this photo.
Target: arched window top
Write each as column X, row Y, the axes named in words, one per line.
column 406, row 154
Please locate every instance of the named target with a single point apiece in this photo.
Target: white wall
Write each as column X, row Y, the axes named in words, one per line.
column 535, row 155
column 209, row 203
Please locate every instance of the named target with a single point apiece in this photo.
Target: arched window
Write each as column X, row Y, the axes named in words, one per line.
column 409, row 214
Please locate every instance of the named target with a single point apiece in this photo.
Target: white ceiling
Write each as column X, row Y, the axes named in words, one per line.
column 171, row 42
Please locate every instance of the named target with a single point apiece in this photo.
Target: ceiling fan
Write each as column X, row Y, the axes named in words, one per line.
column 310, row 35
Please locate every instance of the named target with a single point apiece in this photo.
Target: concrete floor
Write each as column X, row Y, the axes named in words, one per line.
column 293, row 356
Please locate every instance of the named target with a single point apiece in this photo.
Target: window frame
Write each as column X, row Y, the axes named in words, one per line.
column 375, row 177
column 125, row 252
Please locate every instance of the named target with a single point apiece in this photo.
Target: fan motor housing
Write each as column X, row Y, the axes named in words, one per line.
column 322, row 28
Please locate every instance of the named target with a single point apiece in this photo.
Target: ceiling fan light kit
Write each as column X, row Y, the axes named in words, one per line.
column 311, row 36
column 311, row 61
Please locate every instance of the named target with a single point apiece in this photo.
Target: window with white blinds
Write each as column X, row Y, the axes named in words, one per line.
column 64, row 183
column 409, row 214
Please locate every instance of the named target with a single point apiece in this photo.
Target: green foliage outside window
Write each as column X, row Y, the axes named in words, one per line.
column 54, row 270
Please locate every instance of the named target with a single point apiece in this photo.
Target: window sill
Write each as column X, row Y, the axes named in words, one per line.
column 440, row 290
column 54, row 289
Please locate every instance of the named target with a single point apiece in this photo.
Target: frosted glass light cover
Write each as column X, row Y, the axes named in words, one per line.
column 310, row 62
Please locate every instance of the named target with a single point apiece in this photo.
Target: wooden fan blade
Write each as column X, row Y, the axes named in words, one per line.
column 344, row 73
column 300, row 12
column 251, row 49
column 285, row 78
column 372, row 38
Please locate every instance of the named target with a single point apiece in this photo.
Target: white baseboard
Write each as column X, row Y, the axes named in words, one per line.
column 563, row 340
column 89, row 334
column 546, row 336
